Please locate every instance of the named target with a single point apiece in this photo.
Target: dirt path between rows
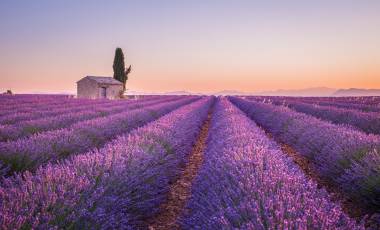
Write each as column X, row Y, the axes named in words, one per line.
column 180, row 190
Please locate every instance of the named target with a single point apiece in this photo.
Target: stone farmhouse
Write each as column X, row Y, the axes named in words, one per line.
column 94, row 87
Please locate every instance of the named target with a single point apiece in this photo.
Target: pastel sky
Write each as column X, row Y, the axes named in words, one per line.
column 200, row 46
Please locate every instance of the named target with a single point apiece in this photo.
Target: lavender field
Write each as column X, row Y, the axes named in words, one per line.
column 189, row 162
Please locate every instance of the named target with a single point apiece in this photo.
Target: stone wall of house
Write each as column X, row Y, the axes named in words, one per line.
column 87, row 88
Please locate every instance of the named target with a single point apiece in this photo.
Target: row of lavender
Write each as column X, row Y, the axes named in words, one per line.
column 27, row 103
column 116, row 187
column 21, row 113
column 368, row 100
column 345, row 105
column 370, row 104
column 368, row 122
column 29, row 153
column 27, row 98
column 348, row 158
column 34, row 112
column 365, row 104
column 71, row 116
column 20, row 107
column 246, row 182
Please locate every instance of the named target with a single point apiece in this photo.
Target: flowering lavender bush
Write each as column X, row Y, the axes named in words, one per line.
column 338, row 153
column 29, row 153
column 118, row 186
column 246, row 182
column 73, row 115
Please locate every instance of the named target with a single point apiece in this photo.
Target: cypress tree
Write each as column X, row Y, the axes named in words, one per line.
column 119, row 71
column 119, row 66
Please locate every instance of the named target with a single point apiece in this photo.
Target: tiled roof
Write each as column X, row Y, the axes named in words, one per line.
column 104, row 80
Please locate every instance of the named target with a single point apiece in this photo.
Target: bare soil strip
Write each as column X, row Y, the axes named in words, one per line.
column 350, row 207
column 180, row 190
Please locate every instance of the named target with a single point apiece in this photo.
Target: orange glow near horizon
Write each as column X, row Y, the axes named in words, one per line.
column 195, row 81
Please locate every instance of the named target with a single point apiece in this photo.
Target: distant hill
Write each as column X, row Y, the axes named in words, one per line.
column 317, row 91
column 178, row 93
column 356, row 92
column 231, row 92
column 322, row 92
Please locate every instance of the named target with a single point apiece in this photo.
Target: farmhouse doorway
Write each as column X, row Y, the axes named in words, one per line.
column 103, row 92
